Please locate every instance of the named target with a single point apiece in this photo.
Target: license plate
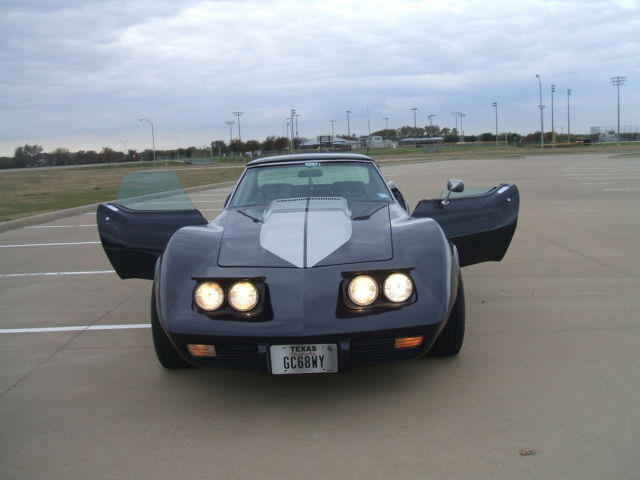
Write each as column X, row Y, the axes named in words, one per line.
column 315, row 358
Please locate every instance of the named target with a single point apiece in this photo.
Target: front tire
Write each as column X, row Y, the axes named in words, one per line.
column 450, row 340
column 165, row 351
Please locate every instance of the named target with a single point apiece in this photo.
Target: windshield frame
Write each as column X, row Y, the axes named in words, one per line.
column 390, row 198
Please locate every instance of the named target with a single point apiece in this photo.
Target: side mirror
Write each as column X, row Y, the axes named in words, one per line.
column 453, row 185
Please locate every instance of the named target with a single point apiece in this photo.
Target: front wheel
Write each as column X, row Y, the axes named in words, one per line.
column 450, row 340
column 165, row 351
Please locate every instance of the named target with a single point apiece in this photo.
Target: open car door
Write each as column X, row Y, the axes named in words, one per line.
column 135, row 229
column 479, row 222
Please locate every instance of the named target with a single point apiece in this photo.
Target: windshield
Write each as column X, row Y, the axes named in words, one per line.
column 354, row 181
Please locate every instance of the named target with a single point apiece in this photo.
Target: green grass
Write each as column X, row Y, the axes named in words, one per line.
column 31, row 191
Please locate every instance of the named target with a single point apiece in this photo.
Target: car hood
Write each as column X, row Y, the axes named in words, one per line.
column 305, row 233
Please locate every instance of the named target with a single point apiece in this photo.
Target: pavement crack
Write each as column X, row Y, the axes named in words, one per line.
column 64, row 345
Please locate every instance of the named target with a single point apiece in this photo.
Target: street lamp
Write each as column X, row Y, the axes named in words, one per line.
column 293, row 138
column 124, row 149
column 495, row 105
column 617, row 82
column 332, row 129
column 386, row 122
column 569, row 116
column 541, row 107
column 553, row 131
column 153, row 140
column 238, row 114
column 415, row 126
column 348, row 125
column 177, row 146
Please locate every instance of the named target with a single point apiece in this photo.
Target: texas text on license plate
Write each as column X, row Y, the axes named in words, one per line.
column 315, row 358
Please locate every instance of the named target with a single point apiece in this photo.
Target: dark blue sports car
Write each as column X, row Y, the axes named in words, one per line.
column 314, row 265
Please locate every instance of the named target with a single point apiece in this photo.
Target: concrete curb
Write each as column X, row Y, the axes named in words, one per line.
column 70, row 212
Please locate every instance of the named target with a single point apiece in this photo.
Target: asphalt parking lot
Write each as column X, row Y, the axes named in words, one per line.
column 550, row 361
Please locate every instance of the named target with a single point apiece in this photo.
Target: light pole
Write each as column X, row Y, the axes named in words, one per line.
column 348, row 125
column 569, row 116
column 386, row 122
column 415, row 126
column 430, row 117
column 541, row 107
column 456, row 115
column 124, row 149
column 177, row 146
column 238, row 114
column 297, row 136
column 553, row 132
column 153, row 139
column 462, row 115
column 332, row 129
column 617, row 82
column 495, row 105
column 293, row 138
column 230, row 123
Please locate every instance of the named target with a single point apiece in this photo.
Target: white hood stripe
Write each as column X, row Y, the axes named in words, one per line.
column 306, row 233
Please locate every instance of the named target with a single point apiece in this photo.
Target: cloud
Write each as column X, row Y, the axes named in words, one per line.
column 93, row 68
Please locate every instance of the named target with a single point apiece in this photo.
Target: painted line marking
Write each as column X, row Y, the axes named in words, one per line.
column 91, row 213
column 48, row 244
column 210, row 195
column 619, row 189
column 76, row 328
column 210, row 209
column 53, row 274
column 65, row 226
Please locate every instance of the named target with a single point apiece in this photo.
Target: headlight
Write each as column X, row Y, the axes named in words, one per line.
column 363, row 290
column 209, row 296
column 398, row 287
column 243, row 296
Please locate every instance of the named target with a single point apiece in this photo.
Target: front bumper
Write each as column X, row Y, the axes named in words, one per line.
column 351, row 352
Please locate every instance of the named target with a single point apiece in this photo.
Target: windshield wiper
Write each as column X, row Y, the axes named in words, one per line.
column 367, row 213
column 255, row 219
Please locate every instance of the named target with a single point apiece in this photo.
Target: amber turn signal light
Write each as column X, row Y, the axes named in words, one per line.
column 408, row 342
column 196, row 350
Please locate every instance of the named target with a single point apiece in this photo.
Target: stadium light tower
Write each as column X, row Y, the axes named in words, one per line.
column 153, row 139
column 348, row 124
column 553, row 131
column 386, row 122
column 332, row 129
column 495, row 105
column 238, row 114
column 462, row 115
column 456, row 115
column 230, row 124
column 415, row 125
column 568, row 116
column 617, row 82
column 541, row 107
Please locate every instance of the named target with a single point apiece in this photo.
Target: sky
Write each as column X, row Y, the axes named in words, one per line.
column 79, row 74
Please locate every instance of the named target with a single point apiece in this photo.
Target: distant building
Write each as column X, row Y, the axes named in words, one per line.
column 421, row 140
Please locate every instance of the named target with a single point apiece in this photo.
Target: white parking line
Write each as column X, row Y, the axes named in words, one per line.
column 48, row 244
column 75, row 329
column 210, row 195
column 53, row 274
column 64, row 226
